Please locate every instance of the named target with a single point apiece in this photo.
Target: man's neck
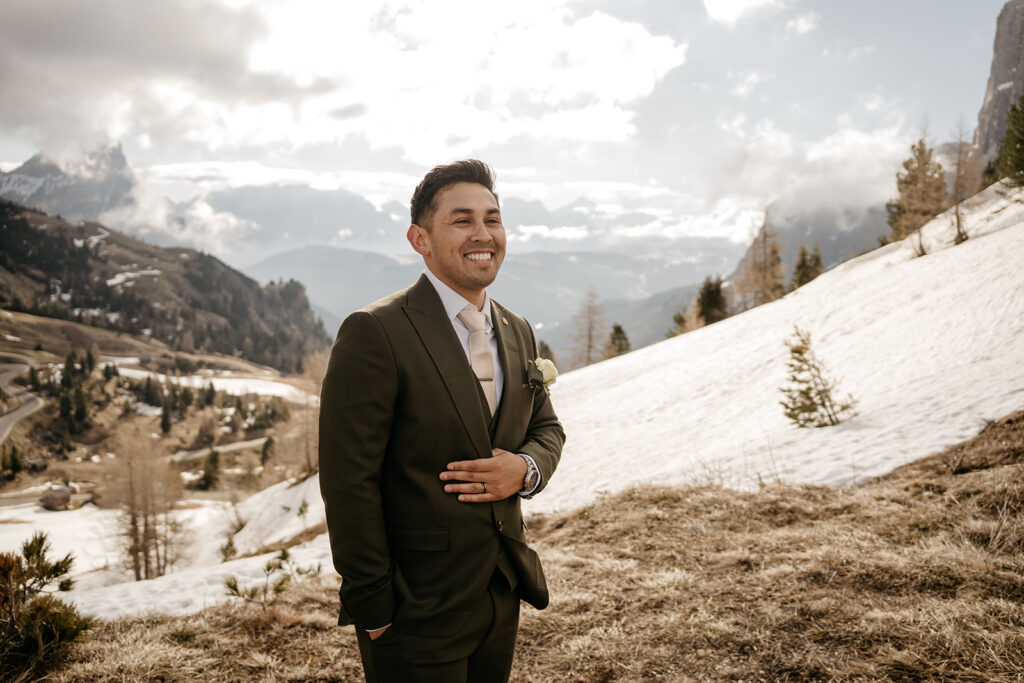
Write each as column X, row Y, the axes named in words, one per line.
column 476, row 298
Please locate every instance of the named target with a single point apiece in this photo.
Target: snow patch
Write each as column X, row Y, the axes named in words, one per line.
column 122, row 278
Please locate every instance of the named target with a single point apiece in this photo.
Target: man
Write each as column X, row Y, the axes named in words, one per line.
column 430, row 432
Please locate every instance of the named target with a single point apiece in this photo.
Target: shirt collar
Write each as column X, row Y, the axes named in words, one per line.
column 454, row 302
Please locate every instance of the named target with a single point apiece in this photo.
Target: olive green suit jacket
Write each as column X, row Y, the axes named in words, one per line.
column 398, row 403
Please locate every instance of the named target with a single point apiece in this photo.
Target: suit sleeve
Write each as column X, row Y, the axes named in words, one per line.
column 356, row 409
column 544, row 436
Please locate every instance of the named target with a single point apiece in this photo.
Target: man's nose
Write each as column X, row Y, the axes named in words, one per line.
column 480, row 232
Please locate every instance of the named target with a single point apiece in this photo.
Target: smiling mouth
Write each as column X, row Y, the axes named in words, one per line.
column 480, row 256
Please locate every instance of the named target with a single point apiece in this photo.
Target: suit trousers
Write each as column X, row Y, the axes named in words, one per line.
column 490, row 631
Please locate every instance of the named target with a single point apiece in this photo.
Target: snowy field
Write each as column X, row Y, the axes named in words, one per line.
column 232, row 385
column 930, row 347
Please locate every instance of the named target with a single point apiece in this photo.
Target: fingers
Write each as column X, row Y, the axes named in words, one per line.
column 464, row 475
column 478, row 498
column 465, row 488
column 478, row 465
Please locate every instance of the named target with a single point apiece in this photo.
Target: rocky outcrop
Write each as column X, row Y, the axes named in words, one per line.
column 1005, row 81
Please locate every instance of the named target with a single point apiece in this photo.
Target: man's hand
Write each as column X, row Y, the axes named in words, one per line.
column 377, row 633
column 487, row 479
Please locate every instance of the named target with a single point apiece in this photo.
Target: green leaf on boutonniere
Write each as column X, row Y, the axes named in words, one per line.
column 534, row 377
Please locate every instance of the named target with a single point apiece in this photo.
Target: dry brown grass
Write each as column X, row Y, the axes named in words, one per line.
column 917, row 576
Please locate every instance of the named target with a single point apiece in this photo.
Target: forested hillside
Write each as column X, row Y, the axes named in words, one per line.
column 187, row 299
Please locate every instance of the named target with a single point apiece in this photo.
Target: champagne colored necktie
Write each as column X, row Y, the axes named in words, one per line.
column 480, row 353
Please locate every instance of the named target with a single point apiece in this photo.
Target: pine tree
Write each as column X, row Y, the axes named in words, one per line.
column 33, row 378
column 153, row 392
column 81, row 408
column 809, row 400
column 66, row 407
column 922, row 195
column 807, row 267
column 544, row 351
column 67, row 378
column 35, row 626
column 209, row 395
column 618, row 342
column 711, row 302
column 761, row 277
column 165, row 417
column 267, row 452
column 211, row 471
column 1010, row 163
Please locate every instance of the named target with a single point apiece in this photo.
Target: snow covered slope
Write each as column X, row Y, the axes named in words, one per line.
column 931, row 347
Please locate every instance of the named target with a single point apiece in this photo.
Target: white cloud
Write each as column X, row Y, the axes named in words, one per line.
column 805, row 23
column 858, row 52
column 744, row 82
column 184, row 180
column 734, row 217
column 730, row 11
column 566, row 232
column 341, row 236
column 733, row 124
column 871, row 101
column 195, row 224
column 529, row 69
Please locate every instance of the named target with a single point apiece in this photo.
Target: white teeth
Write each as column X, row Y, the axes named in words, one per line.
column 479, row 257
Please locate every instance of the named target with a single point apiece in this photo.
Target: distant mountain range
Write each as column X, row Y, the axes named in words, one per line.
column 184, row 298
column 547, row 288
column 641, row 291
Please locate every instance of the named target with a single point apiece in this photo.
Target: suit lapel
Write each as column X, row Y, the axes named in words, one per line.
column 426, row 313
column 511, row 368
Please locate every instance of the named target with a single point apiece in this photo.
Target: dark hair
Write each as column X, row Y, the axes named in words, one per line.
column 441, row 178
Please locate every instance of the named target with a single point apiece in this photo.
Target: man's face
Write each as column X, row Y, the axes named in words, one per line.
column 465, row 245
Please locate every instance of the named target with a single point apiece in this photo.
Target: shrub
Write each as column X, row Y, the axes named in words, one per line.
column 35, row 627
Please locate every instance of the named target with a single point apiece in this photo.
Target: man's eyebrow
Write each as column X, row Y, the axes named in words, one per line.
column 461, row 210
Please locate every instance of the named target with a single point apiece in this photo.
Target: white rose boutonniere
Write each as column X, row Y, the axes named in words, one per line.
column 541, row 373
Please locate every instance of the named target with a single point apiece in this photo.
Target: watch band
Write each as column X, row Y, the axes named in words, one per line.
column 532, row 475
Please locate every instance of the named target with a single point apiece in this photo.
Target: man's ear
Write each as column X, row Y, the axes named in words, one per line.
column 418, row 239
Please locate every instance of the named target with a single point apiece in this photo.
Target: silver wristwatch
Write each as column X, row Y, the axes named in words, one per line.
column 532, row 475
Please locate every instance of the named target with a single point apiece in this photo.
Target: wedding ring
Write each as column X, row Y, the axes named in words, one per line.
column 484, row 484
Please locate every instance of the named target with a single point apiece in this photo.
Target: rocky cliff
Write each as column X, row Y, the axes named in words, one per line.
column 1005, row 81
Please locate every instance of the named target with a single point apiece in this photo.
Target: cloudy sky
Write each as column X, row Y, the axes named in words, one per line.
column 667, row 118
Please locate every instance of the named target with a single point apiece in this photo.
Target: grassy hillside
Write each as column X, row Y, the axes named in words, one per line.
column 916, row 576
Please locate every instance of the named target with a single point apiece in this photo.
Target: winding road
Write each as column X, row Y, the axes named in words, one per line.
column 30, row 403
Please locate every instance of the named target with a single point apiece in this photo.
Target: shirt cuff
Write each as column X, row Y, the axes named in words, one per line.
column 368, row 630
column 536, row 485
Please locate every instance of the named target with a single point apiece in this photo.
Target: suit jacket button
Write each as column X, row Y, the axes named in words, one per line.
column 499, row 525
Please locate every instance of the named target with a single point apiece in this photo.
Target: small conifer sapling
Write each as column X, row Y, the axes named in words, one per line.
column 809, row 399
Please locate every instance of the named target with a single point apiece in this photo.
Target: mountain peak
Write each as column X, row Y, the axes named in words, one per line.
column 79, row 188
column 98, row 164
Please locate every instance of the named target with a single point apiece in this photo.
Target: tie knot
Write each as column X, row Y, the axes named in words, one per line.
column 472, row 319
